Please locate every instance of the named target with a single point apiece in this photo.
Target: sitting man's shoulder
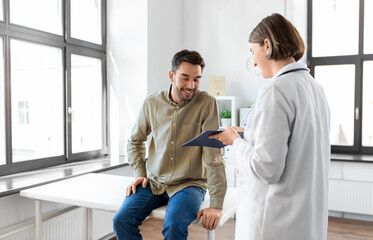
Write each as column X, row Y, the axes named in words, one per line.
column 205, row 96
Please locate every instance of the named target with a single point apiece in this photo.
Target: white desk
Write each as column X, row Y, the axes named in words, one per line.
column 103, row 192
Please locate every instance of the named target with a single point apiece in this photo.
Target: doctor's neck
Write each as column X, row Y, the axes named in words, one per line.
column 277, row 65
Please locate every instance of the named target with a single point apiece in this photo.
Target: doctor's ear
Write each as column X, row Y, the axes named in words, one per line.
column 267, row 46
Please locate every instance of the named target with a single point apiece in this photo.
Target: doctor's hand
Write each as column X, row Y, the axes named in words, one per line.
column 132, row 188
column 239, row 129
column 210, row 217
column 228, row 136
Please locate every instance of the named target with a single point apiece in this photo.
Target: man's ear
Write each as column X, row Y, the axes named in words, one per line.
column 171, row 75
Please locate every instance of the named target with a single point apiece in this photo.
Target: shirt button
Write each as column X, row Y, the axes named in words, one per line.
column 172, row 142
column 177, row 107
column 165, row 186
column 172, row 158
column 173, row 124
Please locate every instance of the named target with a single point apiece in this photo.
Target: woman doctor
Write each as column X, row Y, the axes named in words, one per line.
column 283, row 159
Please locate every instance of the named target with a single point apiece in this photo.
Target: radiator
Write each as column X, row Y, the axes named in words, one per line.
column 70, row 225
column 351, row 196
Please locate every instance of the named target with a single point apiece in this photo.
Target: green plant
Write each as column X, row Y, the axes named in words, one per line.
column 225, row 114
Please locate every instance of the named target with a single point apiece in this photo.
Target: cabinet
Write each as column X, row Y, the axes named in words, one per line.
column 233, row 104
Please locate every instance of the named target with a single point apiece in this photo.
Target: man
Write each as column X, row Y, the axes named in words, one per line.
column 175, row 175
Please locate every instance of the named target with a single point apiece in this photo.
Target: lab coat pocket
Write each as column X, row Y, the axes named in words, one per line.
column 249, row 218
column 253, row 188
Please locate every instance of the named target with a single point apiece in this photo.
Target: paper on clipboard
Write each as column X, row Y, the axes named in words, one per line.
column 203, row 140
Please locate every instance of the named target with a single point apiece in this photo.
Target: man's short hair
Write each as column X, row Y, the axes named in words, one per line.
column 185, row 55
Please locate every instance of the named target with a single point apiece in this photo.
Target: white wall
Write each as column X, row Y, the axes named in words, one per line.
column 219, row 30
column 127, row 63
column 165, row 38
column 142, row 38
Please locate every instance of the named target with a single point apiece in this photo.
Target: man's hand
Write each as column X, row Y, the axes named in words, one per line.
column 132, row 188
column 210, row 217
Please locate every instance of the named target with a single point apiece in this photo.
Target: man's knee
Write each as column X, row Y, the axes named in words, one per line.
column 174, row 222
column 119, row 219
column 125, row 216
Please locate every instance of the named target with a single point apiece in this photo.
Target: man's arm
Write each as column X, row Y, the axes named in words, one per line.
column 136, row 148
column 216, row 179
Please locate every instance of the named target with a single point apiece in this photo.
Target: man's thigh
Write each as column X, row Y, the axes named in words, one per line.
column 185, row 204
column 139, row 205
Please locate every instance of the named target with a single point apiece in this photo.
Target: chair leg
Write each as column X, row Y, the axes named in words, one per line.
column 211, row 235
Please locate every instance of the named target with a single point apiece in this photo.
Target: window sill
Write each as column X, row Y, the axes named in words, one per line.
column 352, row 157
column 14, row 183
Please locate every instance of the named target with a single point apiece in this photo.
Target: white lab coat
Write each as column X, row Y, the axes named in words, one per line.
column 283, row 161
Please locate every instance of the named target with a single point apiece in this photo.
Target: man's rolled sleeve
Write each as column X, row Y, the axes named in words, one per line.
column 216, row 180
column 136, row 148
column 215, row 165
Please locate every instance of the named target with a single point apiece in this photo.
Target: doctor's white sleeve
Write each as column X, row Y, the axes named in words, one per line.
column 262, row 154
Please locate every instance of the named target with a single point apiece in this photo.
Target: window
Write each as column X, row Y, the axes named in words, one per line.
column 2, row 105
column 52, row 85
column 341, row 127
column 1, row 10
column 37, row 98
column 87, row 28
column 340, row 57
column 86, row 103
column 44, row 15
column 23, row 113
column 367, row 119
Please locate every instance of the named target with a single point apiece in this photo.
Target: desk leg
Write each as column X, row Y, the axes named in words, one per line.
column 89, row 224
column 211, row 235
column 38, row 220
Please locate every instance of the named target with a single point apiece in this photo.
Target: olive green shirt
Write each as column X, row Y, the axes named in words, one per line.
column 170, row 167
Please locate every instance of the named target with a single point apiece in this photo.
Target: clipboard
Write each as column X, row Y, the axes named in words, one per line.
column 203, row 140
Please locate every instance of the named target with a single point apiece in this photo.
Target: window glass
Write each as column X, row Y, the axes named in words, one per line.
column 335, row 27
column 23, row 113
column 368, row 27
column 341, row 102
column 37, row 101
column 2, row 106
column 1, row 10
column 367, row 118
column 86, row 20
column 44, row 15
column 86, row 103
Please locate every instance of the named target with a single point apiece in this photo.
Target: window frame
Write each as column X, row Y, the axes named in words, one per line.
column 67, row 45
column 356, row 60
column 102, row 57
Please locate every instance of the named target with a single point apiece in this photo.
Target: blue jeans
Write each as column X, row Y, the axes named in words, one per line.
column 181, row 211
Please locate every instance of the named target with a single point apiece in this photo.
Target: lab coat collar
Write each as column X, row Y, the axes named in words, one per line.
column 290, row 67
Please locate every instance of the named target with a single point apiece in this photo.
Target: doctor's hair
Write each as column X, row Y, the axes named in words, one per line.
column 191, row 57
column 284, row 39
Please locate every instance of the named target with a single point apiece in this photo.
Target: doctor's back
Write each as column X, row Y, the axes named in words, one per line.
column 284, row 186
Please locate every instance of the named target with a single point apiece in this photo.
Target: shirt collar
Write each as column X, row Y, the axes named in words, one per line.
column 180, row 104
column 289, row 67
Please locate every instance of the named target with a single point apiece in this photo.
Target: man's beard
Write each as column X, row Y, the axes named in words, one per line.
column 180, row 94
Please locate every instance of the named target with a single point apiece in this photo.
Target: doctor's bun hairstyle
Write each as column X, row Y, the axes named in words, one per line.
column 284, row 39
column 191, row 57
